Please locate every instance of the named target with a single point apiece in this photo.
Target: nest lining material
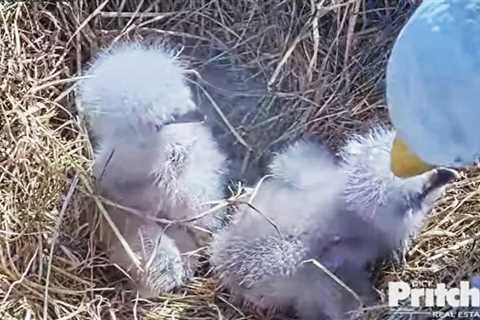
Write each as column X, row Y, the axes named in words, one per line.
column 315, row 67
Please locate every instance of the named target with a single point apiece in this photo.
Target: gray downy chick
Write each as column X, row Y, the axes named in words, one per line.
column 344, row 216
column 154, row 156
column 259, row 254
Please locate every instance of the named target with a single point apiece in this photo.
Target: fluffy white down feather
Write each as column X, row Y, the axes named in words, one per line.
column 148, row 162
column 346, row 215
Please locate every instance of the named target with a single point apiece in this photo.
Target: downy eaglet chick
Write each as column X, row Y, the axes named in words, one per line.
column 154, row 156
column 345, row 215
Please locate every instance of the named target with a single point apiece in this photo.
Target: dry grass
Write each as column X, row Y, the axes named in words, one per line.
column 320, row 64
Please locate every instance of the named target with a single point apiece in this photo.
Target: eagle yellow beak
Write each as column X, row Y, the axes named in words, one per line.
column 404, row 163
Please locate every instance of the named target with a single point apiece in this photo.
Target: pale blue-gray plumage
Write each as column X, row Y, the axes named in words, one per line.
column 433, row 76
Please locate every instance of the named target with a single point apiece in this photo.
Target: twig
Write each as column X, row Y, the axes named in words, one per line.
column 65, row 204
column 222, row 115
column 115, row 230
column 335, row 278
column 24, row 274
column 251, row 206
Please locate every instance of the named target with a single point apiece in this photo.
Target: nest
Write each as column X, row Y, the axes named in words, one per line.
column 315, row 67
